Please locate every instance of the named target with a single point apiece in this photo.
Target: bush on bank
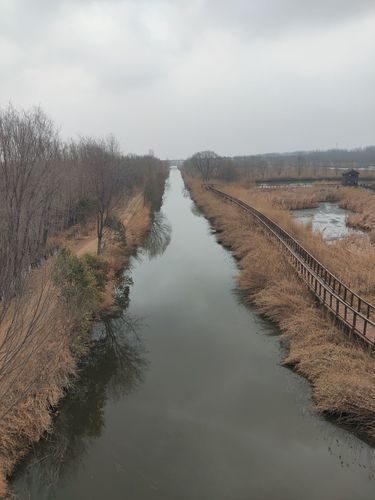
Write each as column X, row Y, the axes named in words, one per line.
column 81, row 283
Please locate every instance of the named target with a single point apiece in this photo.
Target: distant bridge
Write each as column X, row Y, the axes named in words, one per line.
column 177, row 163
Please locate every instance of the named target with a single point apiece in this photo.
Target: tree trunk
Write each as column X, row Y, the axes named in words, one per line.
column 100, row 232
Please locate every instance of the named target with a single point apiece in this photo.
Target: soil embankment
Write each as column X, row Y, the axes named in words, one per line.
column 341, row 371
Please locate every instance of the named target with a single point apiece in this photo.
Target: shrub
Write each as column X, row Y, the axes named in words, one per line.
column 81, row 282
column 99, row 267
column 75, row 279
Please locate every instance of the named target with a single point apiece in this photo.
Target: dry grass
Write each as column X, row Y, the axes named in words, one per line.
column 362, row 203
column 341, row 372
column 352, row 258
column 136, row 217
column 45, row 365
column 34, row 379
column 297, row 198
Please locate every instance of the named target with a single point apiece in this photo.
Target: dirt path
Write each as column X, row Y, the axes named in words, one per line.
column 88, row 244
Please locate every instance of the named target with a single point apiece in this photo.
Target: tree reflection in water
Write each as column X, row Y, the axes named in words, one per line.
column 114, row 368
column 195, row 210
column 158, row 237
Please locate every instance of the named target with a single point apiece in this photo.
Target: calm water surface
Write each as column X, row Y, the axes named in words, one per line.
column 184, row 397
column 328, row 218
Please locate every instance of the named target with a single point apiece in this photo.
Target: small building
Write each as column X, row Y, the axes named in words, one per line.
column 350, row 178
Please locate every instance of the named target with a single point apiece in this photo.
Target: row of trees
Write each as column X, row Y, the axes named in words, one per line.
column 208, row 165
column 300, row 164
column 46, row 186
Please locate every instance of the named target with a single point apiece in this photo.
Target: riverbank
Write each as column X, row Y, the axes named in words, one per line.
column 46, row 364
column 340, row 371
column 188, row 383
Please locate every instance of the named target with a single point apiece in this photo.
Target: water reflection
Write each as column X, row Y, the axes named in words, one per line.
column 265, row 325
column 328, row 218
column 158, row 237
column 115, row 367
column 215, row 405
column 122, row 290
column 195, row 210
column 350, row 453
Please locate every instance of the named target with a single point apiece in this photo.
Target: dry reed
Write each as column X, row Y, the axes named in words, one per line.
column 352, row 258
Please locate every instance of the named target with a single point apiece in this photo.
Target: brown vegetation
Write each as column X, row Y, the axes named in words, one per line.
column 35, row 372
column 341, row 371
column 362, row 202
column 84, row 195
column 299, row 198
column 342, row 257
column 359, row 201
column 45, row 362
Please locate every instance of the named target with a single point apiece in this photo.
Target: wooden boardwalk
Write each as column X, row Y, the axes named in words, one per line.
column 351, row 311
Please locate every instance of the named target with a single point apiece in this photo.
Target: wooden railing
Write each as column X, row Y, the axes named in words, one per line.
column 352, row 311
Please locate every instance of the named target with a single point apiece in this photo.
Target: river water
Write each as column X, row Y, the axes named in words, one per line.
column 184, row 397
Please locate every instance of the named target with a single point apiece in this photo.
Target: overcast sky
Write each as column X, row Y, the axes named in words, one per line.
column 178, row 76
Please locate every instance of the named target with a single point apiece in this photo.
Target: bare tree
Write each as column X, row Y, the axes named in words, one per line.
column 226, row 170
column 45, row 187
column 153, row 181
column 102, row 160
column 206, row 163
column 29, row 148
column 300, row 164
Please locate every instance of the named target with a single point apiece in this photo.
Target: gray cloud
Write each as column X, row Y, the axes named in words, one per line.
column 177, row 75
column 275, row 16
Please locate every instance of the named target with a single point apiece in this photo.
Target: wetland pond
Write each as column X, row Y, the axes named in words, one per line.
column 184, row 397
column 328, row 218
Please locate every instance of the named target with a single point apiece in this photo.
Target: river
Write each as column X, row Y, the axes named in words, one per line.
column 184, row 397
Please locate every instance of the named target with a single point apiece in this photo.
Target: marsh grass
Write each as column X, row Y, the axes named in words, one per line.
column 362, row 202
column 352, row 258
